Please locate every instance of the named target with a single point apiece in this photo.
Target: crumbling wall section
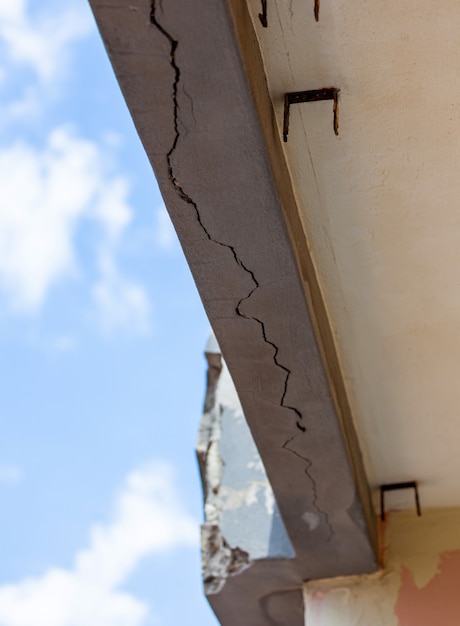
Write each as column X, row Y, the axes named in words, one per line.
column 242, row 521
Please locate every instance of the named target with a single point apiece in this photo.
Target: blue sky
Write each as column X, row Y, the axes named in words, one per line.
column 101, row 342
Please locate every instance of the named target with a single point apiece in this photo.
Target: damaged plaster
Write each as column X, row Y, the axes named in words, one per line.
column 187, row 198
column 219, row 560
column 242, row 522
column 216, row 178
column 239, row 307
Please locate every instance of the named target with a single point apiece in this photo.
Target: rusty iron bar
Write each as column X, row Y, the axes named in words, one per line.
column 317, row 10
column 263, row 15
column 411, row 484
column 313, row 95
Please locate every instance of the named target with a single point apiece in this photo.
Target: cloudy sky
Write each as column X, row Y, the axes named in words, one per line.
column 101, row 341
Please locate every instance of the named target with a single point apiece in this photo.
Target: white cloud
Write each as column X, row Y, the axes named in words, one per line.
column 147, row 519
column 166, row 237
column 41, row 43
column 120, row 303
column 112, row 209
column 44, row 196
column 10, row 475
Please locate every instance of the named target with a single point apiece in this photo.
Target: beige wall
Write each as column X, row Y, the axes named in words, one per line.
column 379, row 205
column 419, row 584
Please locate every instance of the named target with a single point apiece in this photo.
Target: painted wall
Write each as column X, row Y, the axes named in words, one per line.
column 418, row 585
column 379, row 204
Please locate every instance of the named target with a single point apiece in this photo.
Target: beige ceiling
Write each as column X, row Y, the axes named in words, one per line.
column 381, row 208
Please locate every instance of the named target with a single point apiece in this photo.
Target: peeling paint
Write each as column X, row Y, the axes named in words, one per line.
column 311, row 519
column 214, row 465
column 242, row 522
column 235, row 498
column 418, row 587
column 219, row 560
column 249, row 496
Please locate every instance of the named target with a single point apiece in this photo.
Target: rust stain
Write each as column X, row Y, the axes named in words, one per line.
column 382, row 546
column 263, row 15
column 317, row 10
column 336, row 112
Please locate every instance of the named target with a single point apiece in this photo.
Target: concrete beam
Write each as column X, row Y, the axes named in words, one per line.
column 193, row 80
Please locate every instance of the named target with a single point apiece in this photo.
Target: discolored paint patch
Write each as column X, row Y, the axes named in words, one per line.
column 438, row 602
column 417, row 585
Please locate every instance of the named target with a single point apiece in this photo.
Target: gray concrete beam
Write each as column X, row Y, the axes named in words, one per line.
column 194, row 83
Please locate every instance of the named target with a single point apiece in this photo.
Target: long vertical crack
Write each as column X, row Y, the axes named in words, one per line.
column 307, row 470
column 184, row 196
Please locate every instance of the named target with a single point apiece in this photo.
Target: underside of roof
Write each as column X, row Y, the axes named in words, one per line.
column 293, row 244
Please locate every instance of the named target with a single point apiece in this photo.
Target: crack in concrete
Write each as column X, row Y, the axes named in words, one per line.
column 308, row 465
column 184, row 196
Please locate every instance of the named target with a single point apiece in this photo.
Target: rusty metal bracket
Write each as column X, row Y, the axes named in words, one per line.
column 314, row 95
column 412, row 484
column 263, row 15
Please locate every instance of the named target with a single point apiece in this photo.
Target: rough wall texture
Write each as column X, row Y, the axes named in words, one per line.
column 243, row 527
column 239, row 499
column 418, row 585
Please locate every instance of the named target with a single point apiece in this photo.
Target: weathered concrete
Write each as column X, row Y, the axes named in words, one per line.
column 248, row 565
column 181, row 69
column 239, row 499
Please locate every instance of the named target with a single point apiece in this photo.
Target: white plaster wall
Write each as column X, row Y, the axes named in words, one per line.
column 380, row 204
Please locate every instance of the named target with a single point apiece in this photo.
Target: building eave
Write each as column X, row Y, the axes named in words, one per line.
column 193, row 80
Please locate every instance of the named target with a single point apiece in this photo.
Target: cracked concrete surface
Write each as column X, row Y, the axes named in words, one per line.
column 187, row 198
column 307, row 515
column 243, row 531
column 239, row 499
column 189, row 81
column 219, row 560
